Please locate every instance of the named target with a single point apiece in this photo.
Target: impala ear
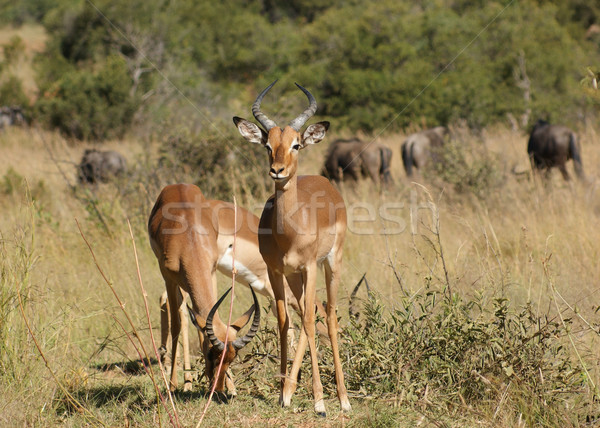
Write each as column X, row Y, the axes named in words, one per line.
column 250, row 131
column 314, row 133
column 238, row 324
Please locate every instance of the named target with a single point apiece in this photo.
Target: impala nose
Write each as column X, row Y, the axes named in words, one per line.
column 276, row 172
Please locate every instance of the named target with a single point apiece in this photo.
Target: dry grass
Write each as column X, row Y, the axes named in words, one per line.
column 497, row 245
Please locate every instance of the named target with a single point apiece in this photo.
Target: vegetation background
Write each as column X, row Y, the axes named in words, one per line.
column 484, row 304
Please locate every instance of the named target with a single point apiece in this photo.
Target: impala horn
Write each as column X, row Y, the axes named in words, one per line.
column 299, row 122
column 259, row 115
column 243, row 341
column 238, row 343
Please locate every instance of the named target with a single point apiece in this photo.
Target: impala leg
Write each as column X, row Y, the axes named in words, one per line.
column 175, row 301
column 187, row 366
column 164, row 327
column 291, row 382
column 332, row 278
column 308, row 322
column 291, row 337
column 283, row 324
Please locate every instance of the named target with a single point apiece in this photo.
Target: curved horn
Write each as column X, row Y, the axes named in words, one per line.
column 311, row 110
column 216, row 342
column 243, row 341
column 259, row 115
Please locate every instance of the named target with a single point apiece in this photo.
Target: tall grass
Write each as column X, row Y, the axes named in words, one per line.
column 483, row 308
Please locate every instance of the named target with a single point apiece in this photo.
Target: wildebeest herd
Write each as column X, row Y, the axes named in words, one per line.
column 301, row 229
column 353, row 159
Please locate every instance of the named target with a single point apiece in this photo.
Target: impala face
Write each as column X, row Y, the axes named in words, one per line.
column 284, row 144
column 213, row 348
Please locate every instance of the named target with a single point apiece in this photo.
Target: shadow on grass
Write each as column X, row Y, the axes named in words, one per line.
column 115, row 396
column 131, row 367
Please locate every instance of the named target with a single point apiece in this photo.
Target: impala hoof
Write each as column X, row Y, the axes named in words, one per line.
column 320, row 408
column 283, row 402
column 322, row 414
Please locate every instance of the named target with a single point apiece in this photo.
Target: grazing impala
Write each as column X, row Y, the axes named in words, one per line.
column 251, row 270
column 302, row 226
column 184, row 231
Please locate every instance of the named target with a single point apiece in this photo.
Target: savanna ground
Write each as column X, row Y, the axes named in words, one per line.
column 485, row 318
column 501, row 236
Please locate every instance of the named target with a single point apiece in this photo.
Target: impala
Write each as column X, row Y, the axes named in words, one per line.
column 251, row 270
column 184, row 234
column 302, row 226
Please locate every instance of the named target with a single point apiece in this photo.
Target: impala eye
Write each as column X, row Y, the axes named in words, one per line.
column 296, row 147
column 269, row 149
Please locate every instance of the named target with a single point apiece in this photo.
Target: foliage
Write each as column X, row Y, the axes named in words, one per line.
column 89, row 104
column 13, row 50
column 17, row 13
column 466, row 166
column 373, row 65
column 220, row 163
column 12, row 93
column 462, row 350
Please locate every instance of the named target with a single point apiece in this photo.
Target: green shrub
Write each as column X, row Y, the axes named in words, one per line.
column 467, row 167
column 91, row 105
column 12, row 93
column 460, row 351
column 217, row 161
column 13, row 50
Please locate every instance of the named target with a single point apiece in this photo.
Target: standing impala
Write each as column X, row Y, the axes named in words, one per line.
column 184, row 231
column 302, row 226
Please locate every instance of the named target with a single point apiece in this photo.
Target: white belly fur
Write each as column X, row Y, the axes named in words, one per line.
column 225, row 265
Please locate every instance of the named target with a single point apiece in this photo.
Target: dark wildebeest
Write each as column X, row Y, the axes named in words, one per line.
column 99, row 165
column 350, row 159
column 553, row 145
column 10, row 116
column 416, row 149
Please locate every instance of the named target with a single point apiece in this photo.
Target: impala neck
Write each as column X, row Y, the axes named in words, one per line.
column 286, row 202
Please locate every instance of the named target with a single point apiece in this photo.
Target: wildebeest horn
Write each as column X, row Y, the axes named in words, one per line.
column 259, row 115
column 311, row 110
column 216, row 342
column 243, row 341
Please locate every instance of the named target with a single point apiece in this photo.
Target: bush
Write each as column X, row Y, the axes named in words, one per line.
column 467, row 167
column 12, row 93
column 92, row 105
column 217, row 161
column 462, row 350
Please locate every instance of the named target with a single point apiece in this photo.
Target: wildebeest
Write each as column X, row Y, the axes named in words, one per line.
column 352, row 158
column 553, row 145
column 11, row 115
column 417, row 148
column 101, row 166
